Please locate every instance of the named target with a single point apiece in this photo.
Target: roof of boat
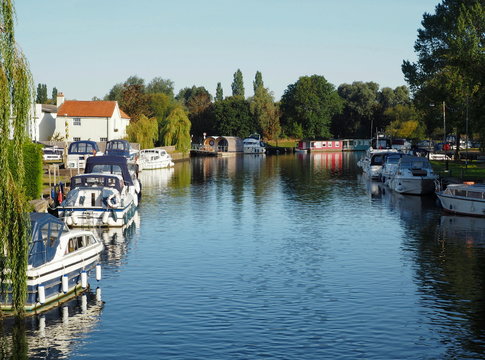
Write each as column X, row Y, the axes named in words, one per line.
column 120, row 161
column 478, row 187
column 118, row 176
column 40, row 219
column 410, row 159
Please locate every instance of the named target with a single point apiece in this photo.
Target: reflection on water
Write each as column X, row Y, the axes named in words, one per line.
column 289, row 257
column 53, row 334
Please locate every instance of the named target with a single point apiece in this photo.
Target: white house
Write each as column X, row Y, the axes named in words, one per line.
column 43, row 122
column 90, row 120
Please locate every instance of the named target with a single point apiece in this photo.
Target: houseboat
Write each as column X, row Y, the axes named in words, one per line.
column 97, row 199
column 467, row 198
column 319, row 145
column 59, row 264
column 79, row 151
column 355, row 144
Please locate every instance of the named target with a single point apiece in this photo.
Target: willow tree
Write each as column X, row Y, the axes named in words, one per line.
column 16, row 96
column 175, row 130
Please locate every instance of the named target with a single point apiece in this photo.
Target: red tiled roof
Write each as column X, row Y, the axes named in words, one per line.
column 123, row 115
column 73, row 108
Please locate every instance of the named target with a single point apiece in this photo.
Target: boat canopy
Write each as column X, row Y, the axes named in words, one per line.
column 414, row 162
column 98, row 180
column 109, row 165
column 83, row 147
column 46, row 231
column 118, row 148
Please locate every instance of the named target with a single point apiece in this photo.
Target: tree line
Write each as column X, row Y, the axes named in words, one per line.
column 446, row 78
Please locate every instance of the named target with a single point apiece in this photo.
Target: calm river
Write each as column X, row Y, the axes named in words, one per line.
column 276, row 257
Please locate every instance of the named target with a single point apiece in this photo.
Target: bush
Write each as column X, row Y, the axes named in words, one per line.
column 32, row 167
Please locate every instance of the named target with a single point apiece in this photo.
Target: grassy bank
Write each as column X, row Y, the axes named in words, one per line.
column 471, row 171
column 283, row 143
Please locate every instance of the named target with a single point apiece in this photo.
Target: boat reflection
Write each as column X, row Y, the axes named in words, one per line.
column 53, row 334
column 156, row 178
column 116, row 241
column 462, row 230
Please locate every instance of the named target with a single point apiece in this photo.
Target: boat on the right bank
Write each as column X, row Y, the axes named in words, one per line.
column 467, row 198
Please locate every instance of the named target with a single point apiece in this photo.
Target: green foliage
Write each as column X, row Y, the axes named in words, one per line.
column 266, row 113
column 232, row 117
column 159, row 85
column 16, row 97
column 219, row 93
column 310, row 102
column 258, row 82
column 175, row 130
column 237, row 85
column 134, row 101
column 41, row 97
column 404, row 123
column 54, row 95
column 33, row 170
column 144, row 131
column 450, row 65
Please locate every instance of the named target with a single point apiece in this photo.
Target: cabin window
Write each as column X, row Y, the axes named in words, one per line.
column 337, row 144
column 329, row 144
column 76, row 121
column 474, row 194
column 460, row 192
column 76, row 243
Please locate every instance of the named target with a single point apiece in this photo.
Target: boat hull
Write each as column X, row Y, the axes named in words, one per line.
column 97, row 216
column 413, row 186
column 50, row 277
column 461, row 205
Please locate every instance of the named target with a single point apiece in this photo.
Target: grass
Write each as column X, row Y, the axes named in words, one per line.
column 473, row 171
column 283, row 143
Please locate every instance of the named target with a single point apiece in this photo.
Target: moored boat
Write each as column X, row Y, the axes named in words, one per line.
column 414, row 175
column 97, row 199
column 156, row 158
column 466, row 198
column 253, row 145
column 59, row 263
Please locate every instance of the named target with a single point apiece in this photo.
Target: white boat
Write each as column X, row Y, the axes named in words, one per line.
column 253, row 145
column 98, row 199
column 467, row 198
column 390, row 165
column 150, row 159
column 414, row 175
column 60, row 262
column 117, row 165
column 372, row 166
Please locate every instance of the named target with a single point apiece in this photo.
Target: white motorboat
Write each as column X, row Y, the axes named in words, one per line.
column 98, row 199
column 156, row 158
column 117, row 165
column 390, row 165
column 253, row 145
column 466, row 198
column 59, row 263
column 414, row 175
column 373, row 166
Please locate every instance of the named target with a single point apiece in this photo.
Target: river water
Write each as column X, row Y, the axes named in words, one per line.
column 276, row 257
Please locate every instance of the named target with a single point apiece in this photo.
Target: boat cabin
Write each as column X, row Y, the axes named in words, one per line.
column 79, row 151
column 46, row 233
column 319, row 145
column 477, row 191
column 97, row 180
column 111, row 165
column 119, row 147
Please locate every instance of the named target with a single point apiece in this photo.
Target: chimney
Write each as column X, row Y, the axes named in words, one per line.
column 60, row 99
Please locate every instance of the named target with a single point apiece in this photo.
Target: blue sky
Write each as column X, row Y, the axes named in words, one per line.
column 84, row 47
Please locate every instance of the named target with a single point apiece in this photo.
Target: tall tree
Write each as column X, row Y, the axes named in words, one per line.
column 54, row 95
column 238, row 84
column 16, row 96
column 159, row 85
column 451, row 63
column 144, row 132
column 175, row 130
column 258, row 81
column 266, row 113
column 219, row 93
column 41, row 97
column 309, row 105
column 232, row 117
column 134, row 101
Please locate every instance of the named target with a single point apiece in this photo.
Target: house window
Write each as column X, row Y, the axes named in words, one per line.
column 76, row 139
column 76, row 121
column 103, row 139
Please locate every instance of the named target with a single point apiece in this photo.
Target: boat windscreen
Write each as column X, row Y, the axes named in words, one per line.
column 44, row 242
